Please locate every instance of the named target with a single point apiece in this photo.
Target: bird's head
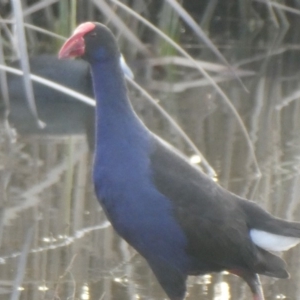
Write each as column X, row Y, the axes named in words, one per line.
column 91, row 41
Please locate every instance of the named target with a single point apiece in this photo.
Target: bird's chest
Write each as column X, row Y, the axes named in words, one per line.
column 136, row 209
column 116, row 192
column 126, row 201
column 120, row 177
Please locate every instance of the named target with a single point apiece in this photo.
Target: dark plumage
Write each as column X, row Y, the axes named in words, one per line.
column 180, row 220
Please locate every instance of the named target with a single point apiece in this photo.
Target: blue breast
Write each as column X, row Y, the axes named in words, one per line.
column 136, row 209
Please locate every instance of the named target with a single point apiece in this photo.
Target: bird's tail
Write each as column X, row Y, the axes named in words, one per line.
column 268, row 232
column 271, row 265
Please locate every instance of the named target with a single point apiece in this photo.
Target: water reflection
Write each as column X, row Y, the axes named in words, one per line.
column 85, row 294
column 222, row 291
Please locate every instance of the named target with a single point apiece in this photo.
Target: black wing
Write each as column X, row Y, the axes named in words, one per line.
column 212, row 218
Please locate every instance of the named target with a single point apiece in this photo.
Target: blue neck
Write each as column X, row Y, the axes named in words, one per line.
column 110, row 89
column 117, row 125
column 114, row 113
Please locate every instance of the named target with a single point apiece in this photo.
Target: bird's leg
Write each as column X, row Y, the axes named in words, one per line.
column 170, row 278
column 253, row 282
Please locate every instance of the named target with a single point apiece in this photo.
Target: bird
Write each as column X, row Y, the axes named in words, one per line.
column 180, row 220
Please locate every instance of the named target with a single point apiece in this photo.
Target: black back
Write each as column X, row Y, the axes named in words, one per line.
column 213, row 219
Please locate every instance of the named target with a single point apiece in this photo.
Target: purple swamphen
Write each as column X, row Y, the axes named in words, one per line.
column 177, row 218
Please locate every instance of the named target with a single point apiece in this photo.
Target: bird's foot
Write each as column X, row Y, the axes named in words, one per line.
column 253, row 282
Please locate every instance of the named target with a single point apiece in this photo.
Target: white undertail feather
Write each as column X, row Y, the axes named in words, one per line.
column 272, row 242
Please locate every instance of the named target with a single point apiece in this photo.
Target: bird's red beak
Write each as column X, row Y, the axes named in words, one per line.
column 75, row 46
